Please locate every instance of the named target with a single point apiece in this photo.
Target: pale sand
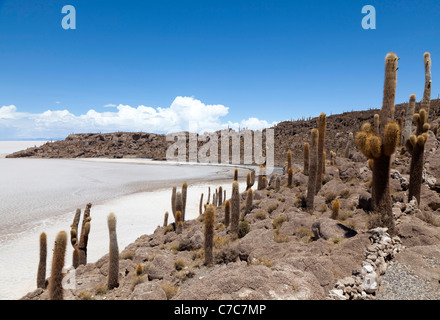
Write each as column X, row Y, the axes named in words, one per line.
column 137, row 213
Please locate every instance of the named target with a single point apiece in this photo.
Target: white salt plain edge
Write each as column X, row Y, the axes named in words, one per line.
column 137, row 214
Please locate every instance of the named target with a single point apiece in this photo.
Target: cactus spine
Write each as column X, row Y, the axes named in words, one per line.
column 209, row 234
column 113, row 264
column 313, row 169
column 306, row 158
column 85, row 230
column 56, row 278
column 322, row 125
column 41, row 275
column 416, row 147
column 381, row 147
column 235, row 208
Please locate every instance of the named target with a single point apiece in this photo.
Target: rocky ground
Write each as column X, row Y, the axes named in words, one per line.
column 288, row 253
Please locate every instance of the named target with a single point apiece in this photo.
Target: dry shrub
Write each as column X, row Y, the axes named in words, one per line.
column 278, row 222
column 280, row 237
column 304, row 234
column 170, row 290
column 260, row 215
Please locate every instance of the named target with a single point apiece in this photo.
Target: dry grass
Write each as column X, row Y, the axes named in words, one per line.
column 260, row 215
column 278, row 222
column 127, row 255
column 170, row 290
column 179, row 264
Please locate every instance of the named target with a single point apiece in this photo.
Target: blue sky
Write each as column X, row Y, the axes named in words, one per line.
column 221, row 62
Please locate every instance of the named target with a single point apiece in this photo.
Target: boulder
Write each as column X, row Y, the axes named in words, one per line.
column 161, row 267
column 149, row 290
column 326, row 228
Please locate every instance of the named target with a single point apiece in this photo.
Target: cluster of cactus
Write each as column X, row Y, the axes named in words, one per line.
column 178, row 201
column 80, row 249
column 416, row 147
column 379, row 143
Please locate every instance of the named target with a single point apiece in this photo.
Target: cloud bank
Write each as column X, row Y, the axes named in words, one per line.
column 184, row 114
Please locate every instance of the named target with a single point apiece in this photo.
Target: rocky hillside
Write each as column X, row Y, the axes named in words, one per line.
column 289, row 135
column 283, row 251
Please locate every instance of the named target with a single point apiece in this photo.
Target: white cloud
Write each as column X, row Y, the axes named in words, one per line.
column 183, row 114
column 110, row 105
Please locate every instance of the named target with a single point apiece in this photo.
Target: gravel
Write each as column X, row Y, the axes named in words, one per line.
column 401, row 283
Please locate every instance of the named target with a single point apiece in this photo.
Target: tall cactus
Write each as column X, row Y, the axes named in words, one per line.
column 381, row 147
column 235, row 208
column 56, row 277
column 227, row 212
column 416, row 147
column 184, row 196
column 290, row 178
column 347, row 148
column 41, row 274
column 411, row 108
column 249, row 200
column 313, row 170
column 165, row 219
column 306, row 158
column 179, row 222
column 220, row 196
column 209, row 235
column 113, row 264
column 426, row 102
column 201, row 205
column 289, row 160
column 84, row 238
column 236, row 175
column 74, row 238
column 173, row 201
column 322, row 126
